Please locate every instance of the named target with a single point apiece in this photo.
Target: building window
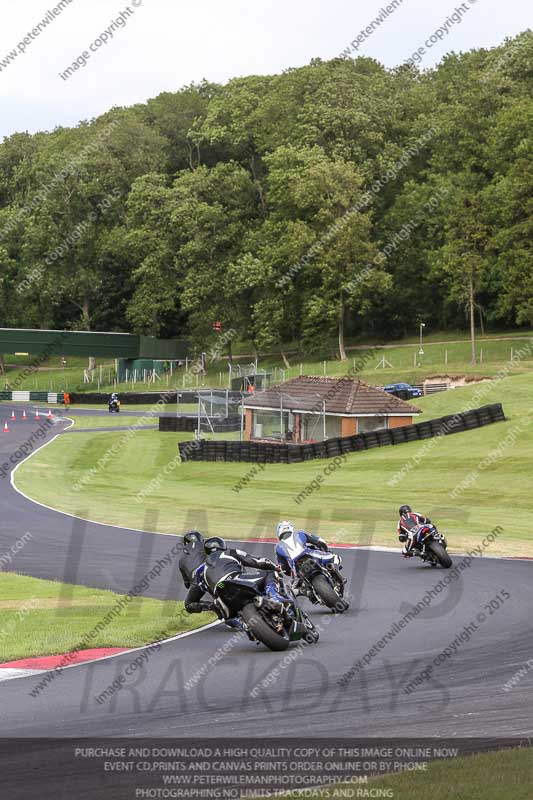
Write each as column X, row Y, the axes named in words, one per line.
column 313, row 427
column 269, row 425
column 369, row 424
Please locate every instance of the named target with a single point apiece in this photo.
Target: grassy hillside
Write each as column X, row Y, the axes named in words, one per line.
column 406, row 364
column 443, row 353
column 357, row 503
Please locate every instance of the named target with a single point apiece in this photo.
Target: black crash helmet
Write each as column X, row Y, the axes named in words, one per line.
column 213, row 544
column 193, row 537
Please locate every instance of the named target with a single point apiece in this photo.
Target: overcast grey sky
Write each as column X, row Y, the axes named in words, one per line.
column 160, row 45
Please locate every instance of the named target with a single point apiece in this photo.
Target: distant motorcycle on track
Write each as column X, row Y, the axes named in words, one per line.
column 114, row 405
column 316, row 574
column 430, row 546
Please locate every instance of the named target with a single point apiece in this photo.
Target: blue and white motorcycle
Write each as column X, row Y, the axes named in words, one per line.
column 315, row 574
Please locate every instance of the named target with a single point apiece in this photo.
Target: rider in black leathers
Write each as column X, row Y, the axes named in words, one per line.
column 221, row 562
column 193, row 557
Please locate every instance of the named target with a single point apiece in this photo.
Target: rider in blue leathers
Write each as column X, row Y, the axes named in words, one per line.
column 286, row 529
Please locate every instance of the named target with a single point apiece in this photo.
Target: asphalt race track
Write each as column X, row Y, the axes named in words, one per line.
column 239, row 695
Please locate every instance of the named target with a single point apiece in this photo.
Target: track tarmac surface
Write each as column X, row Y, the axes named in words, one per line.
column 215, row 682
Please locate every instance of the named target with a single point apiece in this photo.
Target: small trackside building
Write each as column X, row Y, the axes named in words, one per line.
column 307, row 409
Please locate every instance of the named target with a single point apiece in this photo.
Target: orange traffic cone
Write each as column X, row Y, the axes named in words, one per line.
column 37, row 413
column 49, row 415
column 24, row 415
column 6, row 429
column 13, row 415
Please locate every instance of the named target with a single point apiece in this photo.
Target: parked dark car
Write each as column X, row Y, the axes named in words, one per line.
column 403, row 390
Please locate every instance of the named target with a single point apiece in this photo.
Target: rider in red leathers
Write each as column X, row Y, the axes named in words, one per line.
column 408, row 524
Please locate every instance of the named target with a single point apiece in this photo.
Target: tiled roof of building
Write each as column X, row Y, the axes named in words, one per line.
column 341, row 395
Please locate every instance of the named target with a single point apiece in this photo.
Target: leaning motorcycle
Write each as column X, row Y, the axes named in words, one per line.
column 114, row 406
column 316, row 574
column 430, row 546
column 274, row 624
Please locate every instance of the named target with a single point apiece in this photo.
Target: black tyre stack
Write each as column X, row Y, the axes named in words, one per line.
column 282, row 453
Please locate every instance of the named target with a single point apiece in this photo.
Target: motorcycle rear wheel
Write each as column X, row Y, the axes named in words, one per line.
column 262, row 630
column 439, row 552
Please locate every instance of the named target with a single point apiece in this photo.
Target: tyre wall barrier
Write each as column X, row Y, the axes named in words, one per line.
column 271, row 453
column 190, row 424
column 145, row 398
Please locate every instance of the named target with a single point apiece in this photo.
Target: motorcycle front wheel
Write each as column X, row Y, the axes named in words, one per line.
column 262, row 630
column 440, row 554
column 327, row 594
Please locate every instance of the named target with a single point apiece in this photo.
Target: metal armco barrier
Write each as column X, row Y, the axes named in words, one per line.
column 265, row 452
column 31, row 397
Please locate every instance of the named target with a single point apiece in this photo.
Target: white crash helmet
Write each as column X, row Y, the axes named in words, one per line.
column 284, row 529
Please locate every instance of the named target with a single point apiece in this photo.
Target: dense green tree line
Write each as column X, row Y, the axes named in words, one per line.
column 335, row 199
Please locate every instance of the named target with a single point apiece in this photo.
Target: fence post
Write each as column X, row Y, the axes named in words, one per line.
column 446, row 356
column 325, row 367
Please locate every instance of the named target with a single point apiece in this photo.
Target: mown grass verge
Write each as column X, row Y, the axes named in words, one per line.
column 356, row 503
column 41, row 618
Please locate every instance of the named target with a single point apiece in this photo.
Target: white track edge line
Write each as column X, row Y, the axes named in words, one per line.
column 377, row 548
column 182, row 635
column 138, row 530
